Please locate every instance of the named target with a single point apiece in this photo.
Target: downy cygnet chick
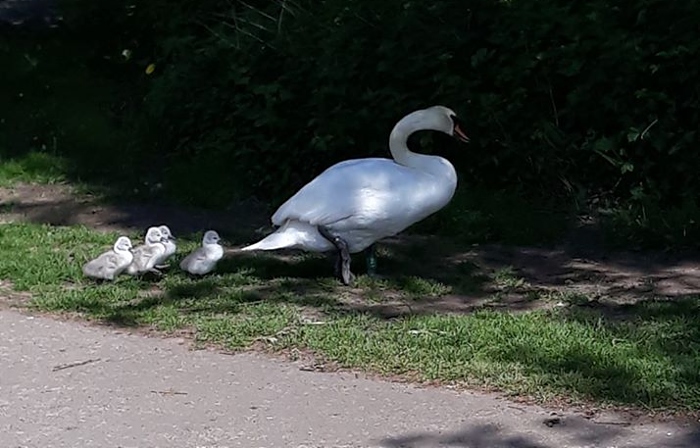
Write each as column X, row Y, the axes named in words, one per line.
column 146, row 255
column 203, row 260
column 111, row 263
column 170, row 247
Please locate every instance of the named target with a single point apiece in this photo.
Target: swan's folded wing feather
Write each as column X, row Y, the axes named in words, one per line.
column 338, row 192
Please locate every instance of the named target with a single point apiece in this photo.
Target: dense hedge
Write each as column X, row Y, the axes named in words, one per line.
column 559, row 96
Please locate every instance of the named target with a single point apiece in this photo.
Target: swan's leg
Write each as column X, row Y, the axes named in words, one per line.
column 372, row 260
column 338, row 268
column 343, row 263
column 154, row 270
column 337, row 262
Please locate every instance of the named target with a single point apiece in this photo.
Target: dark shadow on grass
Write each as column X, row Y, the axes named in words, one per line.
column 666, row 333
column 675, row 326
column 283, row 264
column 409, row 275
column 202, row 288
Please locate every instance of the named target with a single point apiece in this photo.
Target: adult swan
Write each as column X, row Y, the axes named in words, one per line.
column 357, row 202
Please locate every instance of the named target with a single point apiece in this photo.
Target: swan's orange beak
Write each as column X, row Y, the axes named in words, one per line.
column 459, row 134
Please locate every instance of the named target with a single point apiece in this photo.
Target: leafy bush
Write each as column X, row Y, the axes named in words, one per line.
column 558, row 95
column 561, row 98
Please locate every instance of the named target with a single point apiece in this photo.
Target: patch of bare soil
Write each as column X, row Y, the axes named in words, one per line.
column 9, row 298
column 61, row 206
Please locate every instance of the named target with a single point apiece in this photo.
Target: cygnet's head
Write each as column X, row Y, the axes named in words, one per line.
column 211, row 237
column 165, row 231
column 122, row 244
column 444, row 119
column 153, row 236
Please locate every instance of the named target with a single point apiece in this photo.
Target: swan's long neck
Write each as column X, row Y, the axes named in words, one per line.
column 398, row 144
column 398, row 139
column 435, row 165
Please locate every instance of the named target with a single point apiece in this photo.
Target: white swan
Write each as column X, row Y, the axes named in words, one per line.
column 110, row 264
column 170, row 246
column 146, row 255
column 357, row 202
column 203, row 260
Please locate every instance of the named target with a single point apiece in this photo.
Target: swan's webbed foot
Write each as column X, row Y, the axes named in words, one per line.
column 342, row 264
column 372, row 261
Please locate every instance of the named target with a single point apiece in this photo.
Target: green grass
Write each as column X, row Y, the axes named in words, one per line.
column 646, row 356
column 33, row 167
column 507, row 278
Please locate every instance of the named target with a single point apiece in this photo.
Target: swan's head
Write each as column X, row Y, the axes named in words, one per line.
column 154, row 236
column 444, row 119
column 165, row 231
column 123, row 244
column 211, row 237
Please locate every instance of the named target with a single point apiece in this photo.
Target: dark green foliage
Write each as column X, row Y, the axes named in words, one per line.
column 564, row 99
column 558, row 96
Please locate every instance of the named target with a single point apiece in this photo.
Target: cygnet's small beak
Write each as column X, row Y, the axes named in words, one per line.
column 173, row 238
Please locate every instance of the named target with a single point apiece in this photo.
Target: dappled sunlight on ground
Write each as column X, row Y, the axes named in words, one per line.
column 419, row 274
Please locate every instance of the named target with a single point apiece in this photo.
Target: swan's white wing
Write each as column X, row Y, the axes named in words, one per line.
column 345, row 189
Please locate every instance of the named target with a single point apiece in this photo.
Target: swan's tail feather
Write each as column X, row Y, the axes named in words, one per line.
column 277, row 240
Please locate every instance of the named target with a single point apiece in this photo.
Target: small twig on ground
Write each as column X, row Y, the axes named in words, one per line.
column 74, row 364
column 613, row 423
column 168, row 392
